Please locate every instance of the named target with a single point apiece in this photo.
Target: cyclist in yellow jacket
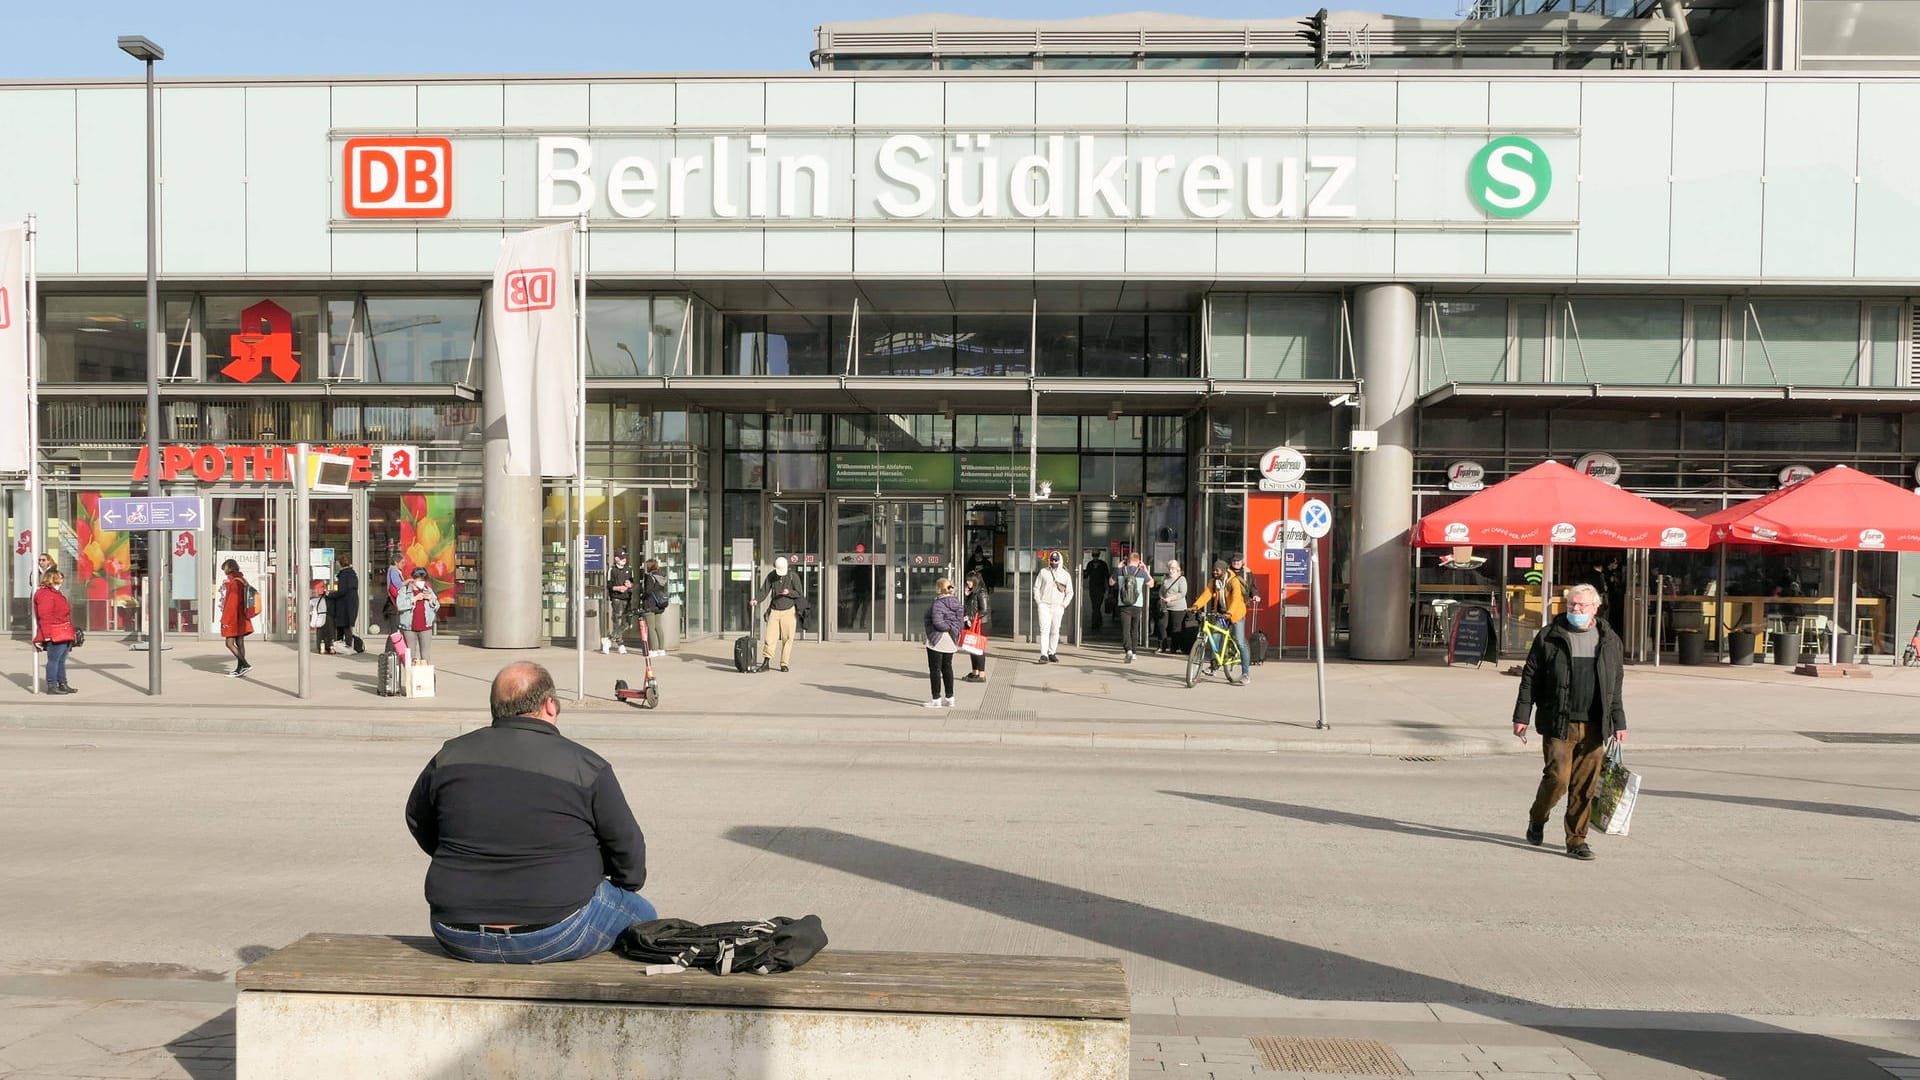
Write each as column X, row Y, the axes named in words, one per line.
column 1226, row 597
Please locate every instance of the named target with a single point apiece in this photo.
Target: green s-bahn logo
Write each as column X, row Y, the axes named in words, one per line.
column 1509, row 177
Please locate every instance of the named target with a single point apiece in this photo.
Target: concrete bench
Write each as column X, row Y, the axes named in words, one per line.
column 374, row 1007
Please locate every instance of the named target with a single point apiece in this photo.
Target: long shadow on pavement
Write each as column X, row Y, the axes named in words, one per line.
column 206, row 1052
column 1319, row 815
column 1277, row 966
column 1836, row 809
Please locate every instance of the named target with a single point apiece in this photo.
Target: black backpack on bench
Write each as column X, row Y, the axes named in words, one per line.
column 726, row 948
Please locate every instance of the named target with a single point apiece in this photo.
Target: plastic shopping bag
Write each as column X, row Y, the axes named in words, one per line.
column 1618, row 792
column 973, row 639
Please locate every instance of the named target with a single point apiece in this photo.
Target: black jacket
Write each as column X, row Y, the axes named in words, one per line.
column 620, row 575
column 1546, row 682
column 346, row 597
column 772, row 586
column 523, row 824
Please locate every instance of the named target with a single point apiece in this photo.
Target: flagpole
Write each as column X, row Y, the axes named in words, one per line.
column 38, row 519
column 580, row 465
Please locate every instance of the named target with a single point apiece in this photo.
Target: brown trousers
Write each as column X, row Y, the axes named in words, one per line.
column 1573, row 770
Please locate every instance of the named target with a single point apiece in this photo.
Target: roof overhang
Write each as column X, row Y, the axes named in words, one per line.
column 1859, row 398
column 907, row 394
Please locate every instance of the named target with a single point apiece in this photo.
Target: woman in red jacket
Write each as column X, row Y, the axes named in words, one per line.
column 54, row 618
column 236, row 616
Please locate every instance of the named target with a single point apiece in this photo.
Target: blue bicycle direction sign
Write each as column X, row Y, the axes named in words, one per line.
column 166, row 512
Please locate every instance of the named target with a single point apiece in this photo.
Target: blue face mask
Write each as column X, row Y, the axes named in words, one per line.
column 1579, row 619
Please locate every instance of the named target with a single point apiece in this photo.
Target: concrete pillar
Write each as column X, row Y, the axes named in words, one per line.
column 1386, row 341
column 510, row 527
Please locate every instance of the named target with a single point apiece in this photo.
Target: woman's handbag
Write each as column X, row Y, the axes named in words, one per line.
column 79, row 638
column 973, row 639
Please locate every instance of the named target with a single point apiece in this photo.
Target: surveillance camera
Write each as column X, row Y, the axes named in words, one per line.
column 1343, row 399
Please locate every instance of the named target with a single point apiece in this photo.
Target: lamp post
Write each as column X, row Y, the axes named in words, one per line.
column 147, row 52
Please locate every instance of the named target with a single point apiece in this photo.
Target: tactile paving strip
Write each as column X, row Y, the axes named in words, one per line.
column 1362, row 1057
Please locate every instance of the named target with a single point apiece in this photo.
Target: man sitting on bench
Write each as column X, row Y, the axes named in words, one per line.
column 536, row 855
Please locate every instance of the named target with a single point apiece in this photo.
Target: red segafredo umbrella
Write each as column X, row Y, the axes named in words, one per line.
column 1552, row 504
column 1841, row 509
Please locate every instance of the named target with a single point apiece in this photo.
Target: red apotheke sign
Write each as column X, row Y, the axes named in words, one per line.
column 212, row 464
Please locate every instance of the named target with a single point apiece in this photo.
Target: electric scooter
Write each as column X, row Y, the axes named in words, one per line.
column 647, row 695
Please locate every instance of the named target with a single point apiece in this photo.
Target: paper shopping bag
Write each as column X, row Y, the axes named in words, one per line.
column 973, row 639
column 420, row 680
column 1618, row 792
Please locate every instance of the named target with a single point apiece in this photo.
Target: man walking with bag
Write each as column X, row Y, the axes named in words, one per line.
column 1571, row 684
column 1134, row 584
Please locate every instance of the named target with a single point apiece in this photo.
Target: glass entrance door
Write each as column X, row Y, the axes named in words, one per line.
column 1109, row 531
column 989, row 550
column 1039, row 528
column 920, row 557
column 255, row 529
column 795, row 529
column 888, row 555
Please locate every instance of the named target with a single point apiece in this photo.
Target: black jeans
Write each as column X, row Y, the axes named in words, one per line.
column 940, row 672
column 1133, row 628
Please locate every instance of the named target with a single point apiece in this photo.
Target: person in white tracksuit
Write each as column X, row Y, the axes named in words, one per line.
column 1052, row 593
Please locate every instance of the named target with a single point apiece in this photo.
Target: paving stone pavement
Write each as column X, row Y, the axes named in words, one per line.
column 71, row 1039
column 1203, row 1057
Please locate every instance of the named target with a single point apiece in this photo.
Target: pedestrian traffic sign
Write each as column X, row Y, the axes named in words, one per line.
column 167, row 512
column 1316, row 517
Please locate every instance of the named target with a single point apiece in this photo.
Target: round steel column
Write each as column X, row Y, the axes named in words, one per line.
column 1386, row 342
column 511, row 514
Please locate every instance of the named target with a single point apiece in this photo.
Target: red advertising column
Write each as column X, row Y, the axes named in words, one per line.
column 1281, row 575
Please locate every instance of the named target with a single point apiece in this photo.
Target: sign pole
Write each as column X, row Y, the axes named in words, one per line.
column 1318, row 629
column 38, row 519
column 580, row 470
column 298, row 572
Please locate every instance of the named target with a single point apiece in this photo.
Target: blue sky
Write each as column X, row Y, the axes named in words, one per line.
column 224, row 37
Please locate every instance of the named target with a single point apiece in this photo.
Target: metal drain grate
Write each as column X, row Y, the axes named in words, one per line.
column 1864, row 737
column 1361, row 1057
column 1419, row 759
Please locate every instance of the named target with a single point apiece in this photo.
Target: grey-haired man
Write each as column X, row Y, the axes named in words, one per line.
column 1571, row 685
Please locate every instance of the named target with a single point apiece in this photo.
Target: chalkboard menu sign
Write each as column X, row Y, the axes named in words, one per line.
column 1472, row 638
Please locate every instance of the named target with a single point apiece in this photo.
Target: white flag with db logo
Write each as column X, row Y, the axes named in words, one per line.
column 533, row 371
column 14, row 456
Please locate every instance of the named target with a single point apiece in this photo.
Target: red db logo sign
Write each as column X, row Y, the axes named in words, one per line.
column 399, row 178
column 530, row 290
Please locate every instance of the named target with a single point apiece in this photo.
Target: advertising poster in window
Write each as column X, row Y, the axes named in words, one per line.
column 103, row 565
column 426, row 540
column 1267, row 514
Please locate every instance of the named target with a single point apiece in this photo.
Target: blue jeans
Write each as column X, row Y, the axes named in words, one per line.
column 57, row 661
column 1240, row 639
column 584, row 933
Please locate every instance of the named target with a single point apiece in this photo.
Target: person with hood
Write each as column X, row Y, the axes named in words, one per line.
column 620, row 602
column 1052, row 593
column 1229, row 601
column 419, row 610
column 1571, row 686
column 236, row 615
column 975, row 605
column 943, row 625
column 780, row 592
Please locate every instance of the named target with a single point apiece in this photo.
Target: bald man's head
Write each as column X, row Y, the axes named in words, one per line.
column 521, row 689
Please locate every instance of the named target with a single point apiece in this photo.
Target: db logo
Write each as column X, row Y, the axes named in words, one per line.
column 1564, row 532
column 1674, row 537
column 1457, row 532
column 1872, row 538
column 529, row 290
column 6, row 313
column 399, row 178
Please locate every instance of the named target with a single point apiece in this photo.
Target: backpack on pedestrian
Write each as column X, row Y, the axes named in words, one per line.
column 1129, row 589
column 655, row 598
column 724, row 948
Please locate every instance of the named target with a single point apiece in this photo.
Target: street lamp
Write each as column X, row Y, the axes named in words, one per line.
column 147, row 52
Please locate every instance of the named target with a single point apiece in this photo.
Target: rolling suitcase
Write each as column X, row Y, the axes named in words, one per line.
column 746, row 654
column 393, row 675
column 1257, row 647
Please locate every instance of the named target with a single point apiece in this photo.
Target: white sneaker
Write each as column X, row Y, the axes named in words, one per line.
column 603, row 646
column 947, row 702
column 623, row 650
column 934, row 704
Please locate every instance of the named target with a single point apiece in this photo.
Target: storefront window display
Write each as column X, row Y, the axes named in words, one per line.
column 438, row 531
